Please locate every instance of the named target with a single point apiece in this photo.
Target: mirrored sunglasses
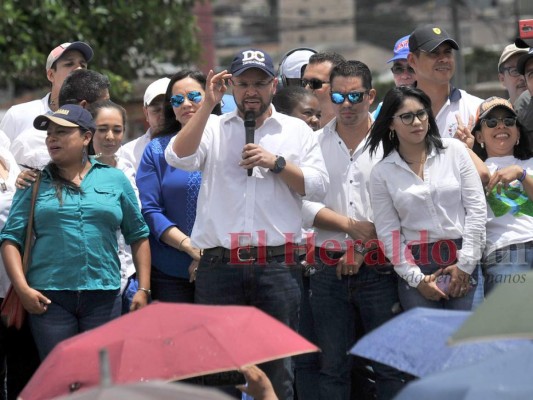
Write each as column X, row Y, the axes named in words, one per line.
column 492, row 122
column 178, row 99
column 353, row 97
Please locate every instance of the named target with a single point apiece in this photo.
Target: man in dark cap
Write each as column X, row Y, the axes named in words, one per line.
column 248, row 225
column 433, row 59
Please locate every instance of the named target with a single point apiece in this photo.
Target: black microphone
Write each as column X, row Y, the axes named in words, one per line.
column 249, row 126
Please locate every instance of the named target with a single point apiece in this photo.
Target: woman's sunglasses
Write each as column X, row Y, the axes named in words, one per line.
column 178, row 99
column 493, row 122
column 353, row 97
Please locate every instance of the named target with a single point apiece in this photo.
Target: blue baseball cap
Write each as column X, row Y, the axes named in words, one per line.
column 401, row 49
column 69, row 115
column 252, row 58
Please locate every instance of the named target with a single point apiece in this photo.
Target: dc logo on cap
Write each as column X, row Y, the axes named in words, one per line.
column 437, row 31
column 251, row 56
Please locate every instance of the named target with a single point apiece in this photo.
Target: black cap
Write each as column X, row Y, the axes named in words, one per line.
column 522, row 61
column 428, row 38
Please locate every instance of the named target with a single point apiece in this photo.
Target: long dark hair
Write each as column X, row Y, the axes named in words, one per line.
column 170, row 125
column 393, row 101
column 522, row 151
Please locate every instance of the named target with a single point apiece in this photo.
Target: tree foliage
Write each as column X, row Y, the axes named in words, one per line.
column 125, row 36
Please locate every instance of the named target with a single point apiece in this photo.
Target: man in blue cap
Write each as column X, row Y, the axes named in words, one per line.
column 402, row 73
column 247, row 225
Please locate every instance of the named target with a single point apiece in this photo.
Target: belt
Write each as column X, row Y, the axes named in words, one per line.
column 334, row 255
column 248, row 253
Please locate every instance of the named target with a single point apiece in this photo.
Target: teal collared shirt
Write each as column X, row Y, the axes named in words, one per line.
column 76, row 241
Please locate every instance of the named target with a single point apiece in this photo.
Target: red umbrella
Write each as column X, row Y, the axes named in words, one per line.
column 168, row 341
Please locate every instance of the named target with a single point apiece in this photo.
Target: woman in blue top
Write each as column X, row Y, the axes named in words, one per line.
column 168, row 195
column 73, row 281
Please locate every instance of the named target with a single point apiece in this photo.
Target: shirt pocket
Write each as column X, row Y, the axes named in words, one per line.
column 106, row 195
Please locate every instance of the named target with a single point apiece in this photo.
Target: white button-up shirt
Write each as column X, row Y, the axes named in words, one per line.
column 349, row 176
column 230, row 203
column 6, row 198
column 20, row 117
column 449, row 203
column 459, row 102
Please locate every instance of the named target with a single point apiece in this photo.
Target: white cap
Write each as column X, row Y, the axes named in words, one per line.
column 155, row 89
column 291, row 67
column 55, row 54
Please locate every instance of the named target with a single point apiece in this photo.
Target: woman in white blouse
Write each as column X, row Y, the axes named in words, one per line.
column 428, row 202
column 504, row 145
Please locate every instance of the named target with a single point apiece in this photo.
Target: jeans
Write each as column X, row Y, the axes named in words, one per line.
column 372, row 296
column 507, row 265
column 306, row 366
column 274, row 288
column 72, row 312
column 410, row 297
column 170, row 289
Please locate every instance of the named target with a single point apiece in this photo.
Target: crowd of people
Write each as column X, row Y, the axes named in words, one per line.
column 334, row 217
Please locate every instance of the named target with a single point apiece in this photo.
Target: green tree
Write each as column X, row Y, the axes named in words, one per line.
column 125, row 36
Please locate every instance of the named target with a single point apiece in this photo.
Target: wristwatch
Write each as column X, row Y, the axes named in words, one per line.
column 359, row 248
column 279, row 165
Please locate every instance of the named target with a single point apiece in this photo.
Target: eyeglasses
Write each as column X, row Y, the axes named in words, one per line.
column 398, row 70
column 512, row 71
column 353, row 97
column 256, row 85
column 178, row 99
column 492, row 122
column 313, row 83
column 409, row 118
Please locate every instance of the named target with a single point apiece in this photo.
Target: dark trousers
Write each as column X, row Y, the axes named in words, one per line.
column 18, row 360
column 274, row 287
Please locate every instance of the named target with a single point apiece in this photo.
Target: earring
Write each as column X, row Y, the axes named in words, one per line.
column 84, row 156
column 517, row 141
column 482, row 145
column 391, row 135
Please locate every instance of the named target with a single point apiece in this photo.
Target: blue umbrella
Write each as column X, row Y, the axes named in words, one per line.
column 505, row 376
column 416, row 342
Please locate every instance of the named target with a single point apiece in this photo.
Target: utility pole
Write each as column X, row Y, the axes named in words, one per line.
column 459, row 77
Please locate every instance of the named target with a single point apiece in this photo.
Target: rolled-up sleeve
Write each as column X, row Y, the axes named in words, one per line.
column 316, row 178
column 17, row 221
column 133, row 226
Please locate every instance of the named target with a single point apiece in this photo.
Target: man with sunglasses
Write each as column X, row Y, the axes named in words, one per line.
column 345, row 288
column 248, row 226
column 402, row 73
column 432, row 57
column 508, row 75
column 316, row 79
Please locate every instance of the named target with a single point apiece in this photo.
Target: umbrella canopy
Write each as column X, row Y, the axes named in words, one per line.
column 415, row 342
column 156, row 390
column 505, row 376
column 507, row 312
column 166, row 341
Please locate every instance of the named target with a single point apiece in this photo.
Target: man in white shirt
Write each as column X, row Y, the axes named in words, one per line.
column 432, row 57
column 153, row 107
column 248, row 225
column 316, row 79
column 81, row 87
column 62, row 60
column 350, row 283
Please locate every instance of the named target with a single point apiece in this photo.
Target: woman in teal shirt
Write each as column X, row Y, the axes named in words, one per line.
column 72, row 284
